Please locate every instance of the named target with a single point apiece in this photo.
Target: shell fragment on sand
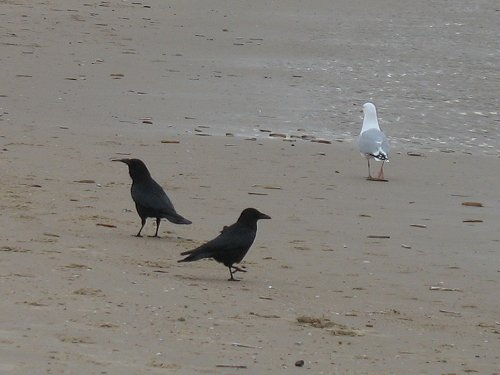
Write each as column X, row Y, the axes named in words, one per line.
column 271, row 187
column 472, row 204
column 418, row 225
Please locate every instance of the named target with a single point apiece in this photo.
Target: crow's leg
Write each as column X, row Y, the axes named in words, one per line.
column 158, row 220
column 237, row 269
column 231, row 273
column 143, row 222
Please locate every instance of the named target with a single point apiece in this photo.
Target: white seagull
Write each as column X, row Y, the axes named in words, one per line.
column 372, row 141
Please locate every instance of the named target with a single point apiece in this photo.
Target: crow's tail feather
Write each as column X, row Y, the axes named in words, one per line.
column 177, row 219
column 195, row 256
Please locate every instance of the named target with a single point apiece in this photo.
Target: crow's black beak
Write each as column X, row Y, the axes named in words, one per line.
column 126, row 161
column 263, row 216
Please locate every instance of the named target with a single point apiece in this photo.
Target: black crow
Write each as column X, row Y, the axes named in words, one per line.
column 232, row 244
column 149, row 197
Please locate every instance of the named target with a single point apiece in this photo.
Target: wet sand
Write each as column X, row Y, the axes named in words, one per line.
column 350, row 276
column 430, row 68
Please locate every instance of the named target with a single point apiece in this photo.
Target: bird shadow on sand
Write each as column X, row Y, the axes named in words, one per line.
column 376, row 179
column 214, row 279
column 172, row 238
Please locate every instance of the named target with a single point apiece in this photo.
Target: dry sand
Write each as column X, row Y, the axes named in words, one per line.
column 385, row 278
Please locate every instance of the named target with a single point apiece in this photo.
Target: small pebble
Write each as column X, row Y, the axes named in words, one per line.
column 277, row 135
column 325, row 141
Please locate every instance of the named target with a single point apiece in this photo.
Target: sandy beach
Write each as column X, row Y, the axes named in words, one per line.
column 349, row 276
